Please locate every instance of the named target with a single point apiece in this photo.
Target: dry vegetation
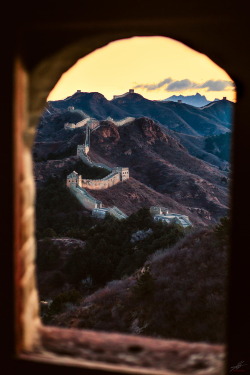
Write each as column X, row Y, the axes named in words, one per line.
column 180, row 293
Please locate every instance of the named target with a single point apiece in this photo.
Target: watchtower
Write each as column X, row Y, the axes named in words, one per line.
column 73, row 179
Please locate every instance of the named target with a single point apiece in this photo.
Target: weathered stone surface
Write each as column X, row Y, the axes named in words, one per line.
column 141, row 353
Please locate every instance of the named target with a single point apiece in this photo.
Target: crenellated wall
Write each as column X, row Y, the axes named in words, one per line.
column 86, row 160
column 104, row 183
column 79, row 124
column 77, row 184
column 117, row 175
column 92, row 123
column 121, row 122
column 116, row 212
column 85, row 198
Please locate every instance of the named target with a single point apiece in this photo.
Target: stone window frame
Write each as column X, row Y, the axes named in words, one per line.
column 46, row 344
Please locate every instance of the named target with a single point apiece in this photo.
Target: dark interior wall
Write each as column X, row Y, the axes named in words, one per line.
column 41, row 33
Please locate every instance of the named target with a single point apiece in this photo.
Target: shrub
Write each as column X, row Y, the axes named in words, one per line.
column 71, row 296
column 49, row 233
column 47, row 255
column 78, row 265
column 145, row 285
column 223, row 230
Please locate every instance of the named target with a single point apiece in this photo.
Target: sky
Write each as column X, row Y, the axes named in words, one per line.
column 155, row 67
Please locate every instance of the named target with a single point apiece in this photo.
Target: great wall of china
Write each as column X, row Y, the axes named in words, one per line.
column 77, row 184
column 93, row 123
column 89, row 121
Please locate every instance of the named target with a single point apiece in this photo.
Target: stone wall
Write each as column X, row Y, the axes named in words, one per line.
column 126, row 93
column 124, row 121
column 117, row 175
column 104, row 183
column 124, row 172
column 79, row 124
column 86, row 160
column 92, row 123
column 119, row 96
column 116, row 212
column 121, row 122
column 85, row 198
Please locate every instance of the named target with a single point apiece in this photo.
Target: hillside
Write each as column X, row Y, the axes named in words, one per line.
column 219, row 145
column 172, row 279
column 197, row 146
column 163, row 164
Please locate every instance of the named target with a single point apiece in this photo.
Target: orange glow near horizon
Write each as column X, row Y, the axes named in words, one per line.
column 156, row 67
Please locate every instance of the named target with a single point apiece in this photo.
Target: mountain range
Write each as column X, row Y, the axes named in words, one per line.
column 188, row 124
column 212, row 119
column 163, row 144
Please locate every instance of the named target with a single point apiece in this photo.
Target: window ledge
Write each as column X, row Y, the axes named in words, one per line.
column 127, row 353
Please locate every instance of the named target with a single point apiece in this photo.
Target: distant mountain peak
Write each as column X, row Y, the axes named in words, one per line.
column 196, row 100
column 199, row 95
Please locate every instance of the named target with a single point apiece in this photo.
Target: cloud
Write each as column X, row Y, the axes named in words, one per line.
column 154, row 86
column 218, row 85
column 186, row 84
column 210, row 85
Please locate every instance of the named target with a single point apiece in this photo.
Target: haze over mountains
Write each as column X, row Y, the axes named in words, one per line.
column 163, row 144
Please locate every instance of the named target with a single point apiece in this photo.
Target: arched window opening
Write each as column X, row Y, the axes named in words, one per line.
column 132, row 212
